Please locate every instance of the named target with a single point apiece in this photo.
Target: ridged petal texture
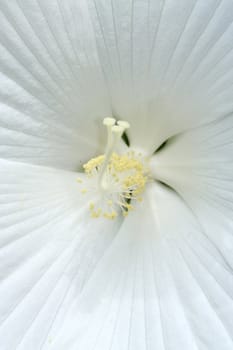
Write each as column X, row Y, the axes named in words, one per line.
column 162, row 278
column 169, row 288
column 49, row 247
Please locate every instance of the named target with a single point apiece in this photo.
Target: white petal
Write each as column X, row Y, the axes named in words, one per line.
column 168, row 64
column 161, row 74
column 199, row 166
column 161, row 285
column 52, row 92
column 48, row 248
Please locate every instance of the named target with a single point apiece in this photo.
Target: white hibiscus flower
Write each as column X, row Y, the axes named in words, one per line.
column 159, row 276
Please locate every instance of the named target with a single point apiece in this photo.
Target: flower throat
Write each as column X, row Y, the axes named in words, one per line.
column 113, row 181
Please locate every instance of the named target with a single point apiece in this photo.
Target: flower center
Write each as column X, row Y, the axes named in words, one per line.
column 114, row 181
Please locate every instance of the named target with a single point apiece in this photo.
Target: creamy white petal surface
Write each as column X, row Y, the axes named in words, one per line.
column 161, row 285
column 168, row 64
column 162, row 278
column 52, row 95
column 49, row 247
column 199, row 166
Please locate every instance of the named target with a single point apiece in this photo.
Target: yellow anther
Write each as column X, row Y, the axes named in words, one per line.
column 95, row 213
column 91, row 205
column 111, row 215
column 79, row 180
column 83, row 190
column 93, row 163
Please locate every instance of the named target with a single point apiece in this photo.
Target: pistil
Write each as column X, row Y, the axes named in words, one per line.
column 114, row 132
column 114, row 181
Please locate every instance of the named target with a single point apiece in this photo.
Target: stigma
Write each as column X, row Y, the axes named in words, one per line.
column 114, row 182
